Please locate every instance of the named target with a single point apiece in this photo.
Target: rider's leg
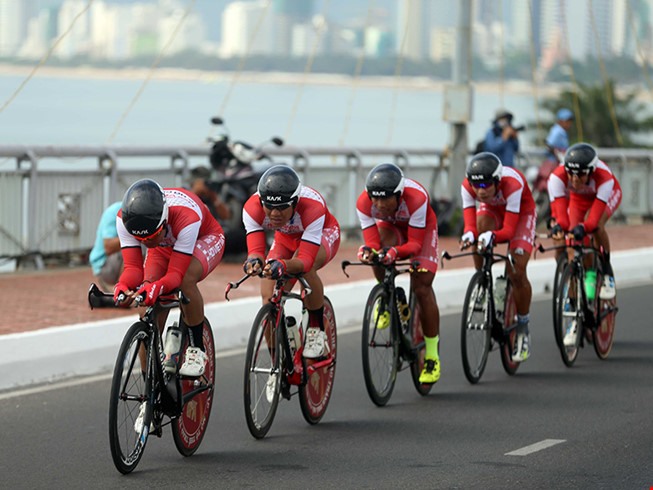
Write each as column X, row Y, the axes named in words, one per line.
column 602, row 240
column 422, row 285
column 314, row 302
column 194, row 310
column 521, row 286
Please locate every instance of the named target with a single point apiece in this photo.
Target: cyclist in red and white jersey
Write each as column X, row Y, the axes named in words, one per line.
column 398, row 222
column 306, row 238
column 506, row 213
column 184, row 244
column 584, row 194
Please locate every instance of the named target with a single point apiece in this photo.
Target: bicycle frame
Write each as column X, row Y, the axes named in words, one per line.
column 295, row 370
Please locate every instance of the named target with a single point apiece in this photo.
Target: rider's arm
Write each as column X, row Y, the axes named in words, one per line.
column 557, row 187
column 308, row 247
column 604, row 187
column 371, row 235
column 253, row 217
column 469, row 208
column 507, row 232
column 418, row 205
column 132, row 256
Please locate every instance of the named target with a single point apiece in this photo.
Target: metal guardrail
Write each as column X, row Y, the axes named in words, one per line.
column 51, row 197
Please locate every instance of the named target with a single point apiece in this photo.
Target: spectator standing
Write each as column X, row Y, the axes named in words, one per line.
column 501, row 139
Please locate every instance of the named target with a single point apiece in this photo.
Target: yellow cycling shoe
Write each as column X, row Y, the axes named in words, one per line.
column 431, row 372
column 383, row 320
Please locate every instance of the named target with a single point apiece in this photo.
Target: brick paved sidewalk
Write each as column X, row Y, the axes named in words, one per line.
column 32, row 300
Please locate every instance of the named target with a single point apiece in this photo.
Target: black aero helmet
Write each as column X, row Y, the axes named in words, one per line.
column 484, row 167
column 144, row 208
column 385, row 180
column 581, row 158
column 279, row 186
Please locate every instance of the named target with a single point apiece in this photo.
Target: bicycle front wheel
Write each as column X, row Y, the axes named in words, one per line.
column 476, row 328
column 569, row 315
column 561, row 263
column 262, row 372
column 314, row 396
column 380, row 347
column 129, row 391
column 419, row 346
column 189, row 428
column 509, row 333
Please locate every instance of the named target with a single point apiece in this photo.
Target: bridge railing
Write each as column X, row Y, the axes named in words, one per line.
column 52, row 196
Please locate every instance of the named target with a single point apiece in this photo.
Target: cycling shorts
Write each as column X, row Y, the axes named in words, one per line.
column 208, row 250
column 524, row 237
column 284, row 246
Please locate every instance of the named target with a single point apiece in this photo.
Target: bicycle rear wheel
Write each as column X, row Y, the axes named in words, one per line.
column 475, row 328
column 417, row 342
column 606, row 317
column 314, row 396
column 509, row 333
column 262, row 372
column 569, row 315
column 130, row 388
column 380, row 347
column 189, row 428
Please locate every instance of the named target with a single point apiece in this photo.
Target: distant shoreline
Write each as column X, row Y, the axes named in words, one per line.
column 519, row 87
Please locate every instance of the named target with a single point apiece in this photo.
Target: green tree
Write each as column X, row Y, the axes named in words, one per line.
column 633, row 117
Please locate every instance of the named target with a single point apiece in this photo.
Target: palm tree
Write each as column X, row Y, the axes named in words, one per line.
column 632, row 116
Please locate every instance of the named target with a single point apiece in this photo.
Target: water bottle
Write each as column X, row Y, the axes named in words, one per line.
column 590, row 284
column 402, row 306
column 293, row 332
column 500, row 285
column 172, row 348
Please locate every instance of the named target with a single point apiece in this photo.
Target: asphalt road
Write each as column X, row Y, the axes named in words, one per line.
column 592, row 426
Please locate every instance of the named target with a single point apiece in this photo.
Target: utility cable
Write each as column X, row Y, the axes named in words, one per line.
column 243, row 57
column 575, row 88
column 534, row 70
column 357, row 73
column 606, row 81
column 640, row 51
column 320, row 30
column 151, row 71
column 45, row 57
column 397, row 75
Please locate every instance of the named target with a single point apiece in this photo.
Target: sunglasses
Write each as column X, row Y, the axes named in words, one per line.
column 280, row 206
column 578, row 173
column 481, row 185
column 149, row 237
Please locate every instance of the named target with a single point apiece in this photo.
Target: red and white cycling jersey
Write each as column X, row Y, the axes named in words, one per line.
column 512, row 200
column 413, row 218
column 304, row 232
column 188, row 220
column 601, row 193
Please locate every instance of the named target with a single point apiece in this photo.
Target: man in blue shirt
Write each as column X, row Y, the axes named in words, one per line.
column 501, row 139
column 557, row 141
column 105, row 256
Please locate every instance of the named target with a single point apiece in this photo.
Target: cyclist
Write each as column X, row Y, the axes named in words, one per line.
column 306, row 238
column 398, row 222
column 584, row 194
column 184, row 244
column 506, row 213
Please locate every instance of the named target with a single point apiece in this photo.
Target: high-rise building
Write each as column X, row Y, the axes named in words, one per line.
column 14, row 16
column 246, row 29
column 414, row 29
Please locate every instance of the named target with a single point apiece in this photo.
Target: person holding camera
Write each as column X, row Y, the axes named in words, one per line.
column 501, row 139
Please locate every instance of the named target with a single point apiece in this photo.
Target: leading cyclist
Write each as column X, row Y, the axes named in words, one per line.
column 306, row 238
column 398, row 222
column 506, row 214
column 584, row 195
column 184, row 244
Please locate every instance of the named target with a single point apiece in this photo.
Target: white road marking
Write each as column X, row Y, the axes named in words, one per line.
column 533, row 448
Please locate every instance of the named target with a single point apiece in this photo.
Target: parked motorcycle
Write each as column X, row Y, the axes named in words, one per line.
column 237, row 168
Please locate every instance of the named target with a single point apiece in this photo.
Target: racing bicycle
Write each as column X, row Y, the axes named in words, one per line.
column 139, row 378
column 274, row 363
column 390, row 344
column 488, row 321
column 580, row 312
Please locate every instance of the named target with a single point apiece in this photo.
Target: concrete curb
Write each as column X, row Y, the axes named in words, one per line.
column 89, row 348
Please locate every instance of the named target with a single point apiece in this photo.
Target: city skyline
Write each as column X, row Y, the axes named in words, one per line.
column 115, row 30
